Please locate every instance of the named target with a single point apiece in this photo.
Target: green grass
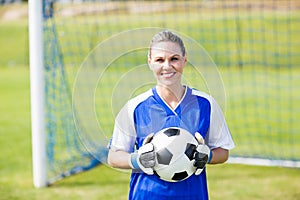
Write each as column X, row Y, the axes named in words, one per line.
column 13, row 40
column 226, row 182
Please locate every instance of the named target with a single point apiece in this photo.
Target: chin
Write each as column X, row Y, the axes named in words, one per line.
column 166, row 83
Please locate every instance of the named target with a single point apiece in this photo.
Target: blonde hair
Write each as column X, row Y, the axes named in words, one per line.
column 166, row 36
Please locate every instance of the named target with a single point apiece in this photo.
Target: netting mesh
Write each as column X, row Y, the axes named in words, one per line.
column 255, row 46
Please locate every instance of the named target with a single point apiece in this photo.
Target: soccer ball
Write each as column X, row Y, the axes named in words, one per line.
column 174, row 148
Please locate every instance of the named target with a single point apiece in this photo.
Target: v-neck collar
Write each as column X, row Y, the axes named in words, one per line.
column 166, row 104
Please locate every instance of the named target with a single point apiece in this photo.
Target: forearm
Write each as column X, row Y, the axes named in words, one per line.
column 219, row 155
column 118, row 159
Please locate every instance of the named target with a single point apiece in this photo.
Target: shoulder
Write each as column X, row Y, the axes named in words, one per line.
column 130, row 106
column 134, row 102
column 198, row 93
column 202, row 96
column 141, row 97
column 207, row 99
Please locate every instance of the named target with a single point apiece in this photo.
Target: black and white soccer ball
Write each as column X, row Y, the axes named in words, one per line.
column 174, row 148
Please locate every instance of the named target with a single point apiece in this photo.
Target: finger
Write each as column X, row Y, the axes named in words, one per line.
column 198, row 171
column 148, row 156
column 146, row 148
column 148, row 164
column 149, row 171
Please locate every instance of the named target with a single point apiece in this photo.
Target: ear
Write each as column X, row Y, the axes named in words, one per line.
column 149, row 62
column 185, row 60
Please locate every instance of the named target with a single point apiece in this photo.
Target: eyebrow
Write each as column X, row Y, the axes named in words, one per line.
column 174, row 55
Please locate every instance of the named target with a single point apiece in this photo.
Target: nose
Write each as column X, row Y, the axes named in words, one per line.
column 166, row 65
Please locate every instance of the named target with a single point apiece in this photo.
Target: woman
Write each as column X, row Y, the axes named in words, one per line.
column 168, row 104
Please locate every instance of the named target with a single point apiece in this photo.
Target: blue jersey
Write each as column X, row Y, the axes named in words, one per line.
column 149, row 113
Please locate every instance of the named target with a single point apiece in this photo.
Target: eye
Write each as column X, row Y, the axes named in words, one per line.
column 174, row 58
column 159, row 60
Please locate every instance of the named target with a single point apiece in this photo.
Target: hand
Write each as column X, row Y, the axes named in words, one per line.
column 144, row 158
column 202, row 154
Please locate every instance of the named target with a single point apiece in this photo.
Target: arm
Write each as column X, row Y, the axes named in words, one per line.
column 118, row 159
column 219, row 155
column 203, row 155
column 218, row 137
column 142, row 159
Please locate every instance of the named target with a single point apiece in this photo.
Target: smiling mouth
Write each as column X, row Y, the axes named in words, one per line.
column 168, row 75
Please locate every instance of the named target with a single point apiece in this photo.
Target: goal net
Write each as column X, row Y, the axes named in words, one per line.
column 95, row 59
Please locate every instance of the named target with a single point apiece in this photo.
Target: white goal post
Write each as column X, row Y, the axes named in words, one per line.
column 37, row 92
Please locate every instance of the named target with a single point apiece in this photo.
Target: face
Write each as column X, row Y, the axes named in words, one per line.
column 167, row 63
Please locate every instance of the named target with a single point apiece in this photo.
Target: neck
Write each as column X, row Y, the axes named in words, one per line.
column 171, row 95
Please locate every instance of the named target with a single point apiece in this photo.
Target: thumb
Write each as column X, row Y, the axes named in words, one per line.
column 199, row 138
column 198, row 171
column 148, row 138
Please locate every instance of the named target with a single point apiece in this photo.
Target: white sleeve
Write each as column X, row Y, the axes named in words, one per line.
column 218, row 134
column 124, row 134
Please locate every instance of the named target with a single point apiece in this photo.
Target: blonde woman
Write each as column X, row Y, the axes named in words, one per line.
column 168, row 104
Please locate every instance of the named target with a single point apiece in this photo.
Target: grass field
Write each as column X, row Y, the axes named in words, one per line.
column 226, row 182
